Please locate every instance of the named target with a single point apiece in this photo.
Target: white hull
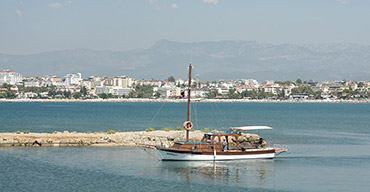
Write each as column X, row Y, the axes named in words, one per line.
column 174, row 156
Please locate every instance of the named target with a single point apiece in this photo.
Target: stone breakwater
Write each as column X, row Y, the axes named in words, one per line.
column 120, row 139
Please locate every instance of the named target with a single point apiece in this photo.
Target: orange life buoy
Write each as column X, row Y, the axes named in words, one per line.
column 188, row 125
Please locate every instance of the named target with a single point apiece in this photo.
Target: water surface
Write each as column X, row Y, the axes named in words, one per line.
column 329, row 144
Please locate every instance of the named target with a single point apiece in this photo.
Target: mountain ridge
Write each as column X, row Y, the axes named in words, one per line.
column 213, row 60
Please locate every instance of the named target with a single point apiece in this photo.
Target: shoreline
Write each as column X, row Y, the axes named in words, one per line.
column 144, row 100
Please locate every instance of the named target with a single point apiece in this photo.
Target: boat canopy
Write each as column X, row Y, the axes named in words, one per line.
column 247, row 128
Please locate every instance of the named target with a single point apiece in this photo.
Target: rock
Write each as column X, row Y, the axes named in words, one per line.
column 63, row 142
column 36, row 143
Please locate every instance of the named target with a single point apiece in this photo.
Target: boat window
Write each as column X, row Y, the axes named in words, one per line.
column 193, row 147
column 216, row 139
column 208, row 138
column 210, row 147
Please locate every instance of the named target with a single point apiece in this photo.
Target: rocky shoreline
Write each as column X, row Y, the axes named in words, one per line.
column 98, row 139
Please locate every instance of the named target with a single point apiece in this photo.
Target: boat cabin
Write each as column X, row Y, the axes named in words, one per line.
column 217, row 141
column 210, row 142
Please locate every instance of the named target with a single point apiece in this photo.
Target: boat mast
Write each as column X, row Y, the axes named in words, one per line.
column 189, row 90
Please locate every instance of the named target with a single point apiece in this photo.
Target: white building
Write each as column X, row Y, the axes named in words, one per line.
column 34, row 83
column 271, row 88
column 103, row 89
column 170, row 91
column 73, row 79
column 251, row 82
column 122, row 82
column 155, row 83
column 10, row 77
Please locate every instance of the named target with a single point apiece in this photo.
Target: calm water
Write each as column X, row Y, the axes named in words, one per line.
column 329, row 143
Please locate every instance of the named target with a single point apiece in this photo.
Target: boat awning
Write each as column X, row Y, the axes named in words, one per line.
column 247, row 128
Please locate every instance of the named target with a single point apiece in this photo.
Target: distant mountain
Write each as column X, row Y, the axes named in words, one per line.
column 211, row 60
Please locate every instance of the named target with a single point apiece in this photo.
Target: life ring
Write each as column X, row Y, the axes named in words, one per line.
column 188, row 125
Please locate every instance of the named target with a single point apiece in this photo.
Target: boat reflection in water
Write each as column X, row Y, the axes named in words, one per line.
column 246, row 172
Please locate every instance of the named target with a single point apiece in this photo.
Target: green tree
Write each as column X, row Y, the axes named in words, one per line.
column 8, row 95
column 212, row 94
column 142, row 91
column 194, row 84
column 361, row 84
column 6, row 86
column 299, row 81
column 171, row 79
column 251, row 94
column 157, row 94
column 77, row 95
column 233, row 94
column 302, row 90
column 84, row 91
column 284, row 82
column 67, row 94
column 103, row 96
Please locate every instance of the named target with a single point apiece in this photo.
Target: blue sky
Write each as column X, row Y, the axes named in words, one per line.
column 34, row 26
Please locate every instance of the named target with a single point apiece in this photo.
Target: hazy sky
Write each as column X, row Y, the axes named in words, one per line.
column 33, row 26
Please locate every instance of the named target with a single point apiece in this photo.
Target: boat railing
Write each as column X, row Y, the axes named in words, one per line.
column 286, row 147
column 151, row 141
column 161, row 141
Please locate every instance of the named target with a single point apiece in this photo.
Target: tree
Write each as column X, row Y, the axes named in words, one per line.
column 194, row 84
column 8, row 95
column 233, row 95
column 67, row 94
column 302, row 90
column 7, row 86
column 103, row 96
column 212, row 94
column 52, row 93
column 171, row 79
column 361, row 84
column 299, row 81
column 77, row 95
column 157, row 94
column 84, row 91
column 284, row 82
column 141, row 91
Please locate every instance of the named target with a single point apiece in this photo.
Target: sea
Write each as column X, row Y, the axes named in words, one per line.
column 329, row 148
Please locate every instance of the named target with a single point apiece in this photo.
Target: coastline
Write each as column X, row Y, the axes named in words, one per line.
column 147, row 100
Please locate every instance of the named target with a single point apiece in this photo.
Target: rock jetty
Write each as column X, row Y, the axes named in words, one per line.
column 100, row 139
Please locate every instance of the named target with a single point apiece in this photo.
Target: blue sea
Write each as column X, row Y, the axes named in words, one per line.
column 329, row 147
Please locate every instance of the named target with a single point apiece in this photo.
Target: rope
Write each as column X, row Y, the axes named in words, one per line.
column 155, row 115
column 226, row 120
column 145, row 149
column 195, row 112
column 218, row 119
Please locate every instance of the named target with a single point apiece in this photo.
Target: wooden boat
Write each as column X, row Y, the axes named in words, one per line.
column 216, row 146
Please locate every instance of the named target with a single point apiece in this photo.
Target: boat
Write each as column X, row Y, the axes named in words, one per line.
column 216, row 146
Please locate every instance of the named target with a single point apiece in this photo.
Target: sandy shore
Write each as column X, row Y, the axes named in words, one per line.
column 193, row 100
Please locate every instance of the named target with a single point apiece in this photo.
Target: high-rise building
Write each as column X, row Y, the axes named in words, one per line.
column 10, row 77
